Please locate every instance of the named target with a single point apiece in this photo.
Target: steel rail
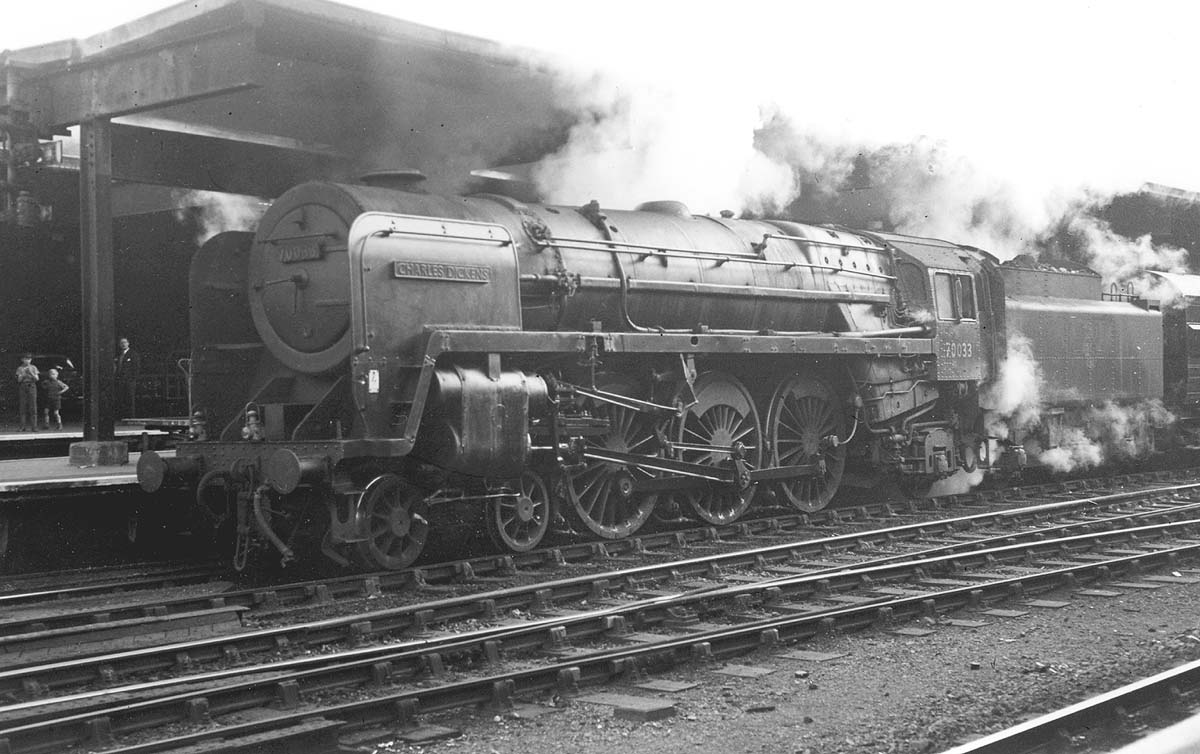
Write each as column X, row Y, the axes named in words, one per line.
column 924, row 555
column 718, row 642
column 1095, row 714
column 373, row 584
column 197, row 575
column 8, row 582
column 255, row 598
column 508, row 562
column 43, row 677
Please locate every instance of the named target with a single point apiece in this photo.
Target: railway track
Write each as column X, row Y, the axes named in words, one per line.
column 492, row 646
column 1105, row 721
column 936, row 514
column 32, row 588
column 521, row 590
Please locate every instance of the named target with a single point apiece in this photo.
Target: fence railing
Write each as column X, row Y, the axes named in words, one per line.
column 161, row 395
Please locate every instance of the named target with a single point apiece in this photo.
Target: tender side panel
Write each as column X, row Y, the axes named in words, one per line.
column 1091, row 351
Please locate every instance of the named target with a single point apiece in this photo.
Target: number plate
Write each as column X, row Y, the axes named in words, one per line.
column 956, row 349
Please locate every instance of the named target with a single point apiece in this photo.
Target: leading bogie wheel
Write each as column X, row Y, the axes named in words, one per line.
column 602, row 496
column 397, row 527
column 804, row 415
column 723, row 416
column 518, row 522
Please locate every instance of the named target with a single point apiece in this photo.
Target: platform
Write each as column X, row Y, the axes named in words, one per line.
column 73, row 431
column 56, row 442
column 37, row 475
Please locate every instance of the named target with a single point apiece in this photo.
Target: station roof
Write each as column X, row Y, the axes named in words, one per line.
column 252, row 96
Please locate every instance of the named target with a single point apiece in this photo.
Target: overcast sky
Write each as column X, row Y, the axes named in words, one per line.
column 1030, row 99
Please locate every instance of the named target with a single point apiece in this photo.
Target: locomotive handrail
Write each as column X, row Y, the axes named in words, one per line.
column 801, row 239
column 450, row 236
column 641, row 284
column 891, row 333
column 626, row 247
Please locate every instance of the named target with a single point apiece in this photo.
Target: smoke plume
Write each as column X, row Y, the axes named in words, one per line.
column 1108, row 433
column 1014, row 399
column 726, row 139
column 960, row 482
column 1080, row 438
column 650, row 142
column 1123, row 261
column 214, row 212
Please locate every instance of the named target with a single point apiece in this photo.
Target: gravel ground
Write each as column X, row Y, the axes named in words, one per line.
column 888, row 693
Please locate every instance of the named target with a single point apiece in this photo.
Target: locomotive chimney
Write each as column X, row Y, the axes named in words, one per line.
column 400, row 179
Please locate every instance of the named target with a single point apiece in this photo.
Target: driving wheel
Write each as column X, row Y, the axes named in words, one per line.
column 804, row 414
column 723, row 418
column 602, row 494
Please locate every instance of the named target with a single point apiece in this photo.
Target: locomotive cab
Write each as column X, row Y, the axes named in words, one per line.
column 953, row 289
column 956, row 293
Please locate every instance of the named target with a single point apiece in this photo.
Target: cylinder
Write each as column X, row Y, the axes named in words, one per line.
column 155, row 472
column 285, row 471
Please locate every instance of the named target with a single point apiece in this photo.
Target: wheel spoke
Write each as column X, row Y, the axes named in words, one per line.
column 803, row 412
column 749, row 429
column 723, row 414
column 507, row 528
column 592, row 493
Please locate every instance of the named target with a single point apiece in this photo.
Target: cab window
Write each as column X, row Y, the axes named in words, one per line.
column 954, row 296
column 966, row 297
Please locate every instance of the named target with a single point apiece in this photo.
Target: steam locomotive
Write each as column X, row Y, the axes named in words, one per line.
column 373, row 355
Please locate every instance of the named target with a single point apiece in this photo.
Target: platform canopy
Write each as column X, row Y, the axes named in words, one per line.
column 252, row 97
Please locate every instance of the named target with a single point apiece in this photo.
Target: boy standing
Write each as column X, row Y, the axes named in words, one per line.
column 27, row 380
column 54, row 392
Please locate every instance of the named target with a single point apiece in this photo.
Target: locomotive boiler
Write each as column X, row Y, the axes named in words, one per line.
column 374, row 356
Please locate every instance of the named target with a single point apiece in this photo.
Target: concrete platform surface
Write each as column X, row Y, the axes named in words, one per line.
column 71, row 431
column 44, row 474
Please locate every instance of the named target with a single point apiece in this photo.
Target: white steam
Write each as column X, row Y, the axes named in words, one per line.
column 1074, row 451
column 1122, row 261
column 1014, row 400
column 1079, row 438
column 1108, row 432
column 960, row 482
column 644, row 143
column 967, row 140
column 215, row 212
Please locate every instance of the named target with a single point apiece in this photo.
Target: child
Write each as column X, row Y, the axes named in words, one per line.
column 54, row 392
column 27, row 380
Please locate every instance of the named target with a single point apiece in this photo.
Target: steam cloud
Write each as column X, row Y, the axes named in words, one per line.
column 671, row 119
column 1122, row 261
column 1087, row 438
column 637, row 144
column 1014, row 400
column 215, row 212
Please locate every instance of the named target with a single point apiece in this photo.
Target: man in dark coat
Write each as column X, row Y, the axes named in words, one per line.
column 127, row 366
